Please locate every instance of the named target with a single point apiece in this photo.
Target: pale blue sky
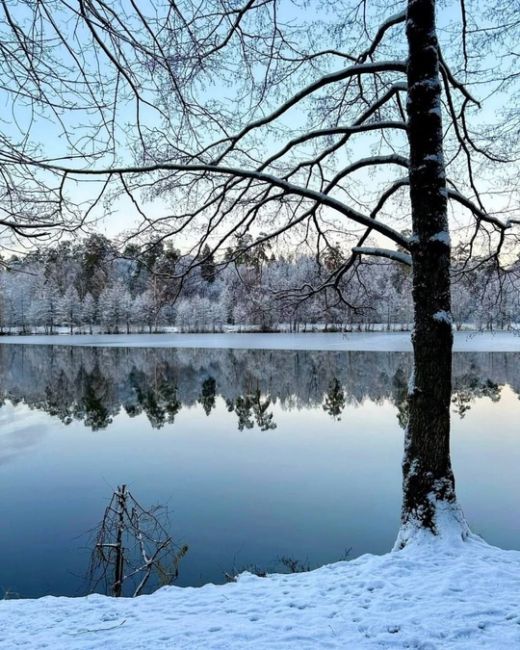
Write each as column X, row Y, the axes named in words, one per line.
column 124, row 215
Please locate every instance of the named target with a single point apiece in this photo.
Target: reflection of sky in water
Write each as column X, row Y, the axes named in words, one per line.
column 308, row 489
column 18, row 433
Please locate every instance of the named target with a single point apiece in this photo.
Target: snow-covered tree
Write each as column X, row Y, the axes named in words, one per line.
column 88, row 311
column 70, row 308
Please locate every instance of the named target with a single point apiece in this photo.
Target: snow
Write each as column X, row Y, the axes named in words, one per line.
column 397, row 256
column 437, row 157
column 443, row 595
column 443, row 316
column 449, row 521
column 435, row 111
column 371, row 341
column 443, row 237
column 411, row 382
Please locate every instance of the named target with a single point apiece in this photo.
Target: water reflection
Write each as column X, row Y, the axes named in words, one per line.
column 94, row 385
column 259, row 454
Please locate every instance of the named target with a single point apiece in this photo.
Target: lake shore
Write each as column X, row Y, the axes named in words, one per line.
column 352, row 341
column 444, row 595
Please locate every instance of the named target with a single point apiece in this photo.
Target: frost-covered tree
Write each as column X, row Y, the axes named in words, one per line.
column 115, row 307
column 207, row 269
column 144, row 310
column 127, row 307
column 88, row 311
column 380, row 298
column 49, row 305
column 94, row 276
column 70, row 308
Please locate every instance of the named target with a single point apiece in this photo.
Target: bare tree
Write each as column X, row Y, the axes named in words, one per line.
column 348, row 130
column 132, row 547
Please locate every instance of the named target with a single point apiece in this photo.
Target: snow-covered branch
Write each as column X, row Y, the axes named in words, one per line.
column 396, row 256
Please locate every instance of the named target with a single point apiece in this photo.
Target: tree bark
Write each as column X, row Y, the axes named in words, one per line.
column 117, row 588
column 429, row 501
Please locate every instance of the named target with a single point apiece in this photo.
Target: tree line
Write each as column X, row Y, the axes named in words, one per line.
column 94, row 286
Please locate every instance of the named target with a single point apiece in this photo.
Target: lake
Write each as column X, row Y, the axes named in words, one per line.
column 257, row 454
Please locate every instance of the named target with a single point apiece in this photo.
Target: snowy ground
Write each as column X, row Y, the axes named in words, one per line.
column 462, row 596
column 371, row 341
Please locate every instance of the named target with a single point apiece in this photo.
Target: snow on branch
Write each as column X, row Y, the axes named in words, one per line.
column 391, row 21
column 391, row 159
column 320, row 198
column 340, row 130
column 333, row 77
column 478, row 212
column 396, row 256
column 458, row 85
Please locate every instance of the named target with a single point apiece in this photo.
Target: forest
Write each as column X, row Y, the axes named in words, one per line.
column 97, row 286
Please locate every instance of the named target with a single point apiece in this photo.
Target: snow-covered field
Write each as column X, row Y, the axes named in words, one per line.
column 440, row 597
column 371, row 341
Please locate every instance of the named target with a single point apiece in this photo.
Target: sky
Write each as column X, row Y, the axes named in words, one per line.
column 48, row 133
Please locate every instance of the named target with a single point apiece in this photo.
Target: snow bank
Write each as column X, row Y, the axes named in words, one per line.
column 431, row 596
column 377, row 342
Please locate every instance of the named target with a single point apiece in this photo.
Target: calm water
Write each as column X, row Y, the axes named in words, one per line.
column 257, row 454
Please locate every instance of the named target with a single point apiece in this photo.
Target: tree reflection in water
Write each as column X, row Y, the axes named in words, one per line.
column 93, row 385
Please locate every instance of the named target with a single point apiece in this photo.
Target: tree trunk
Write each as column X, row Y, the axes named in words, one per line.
column 429, row 502
column 117, row 587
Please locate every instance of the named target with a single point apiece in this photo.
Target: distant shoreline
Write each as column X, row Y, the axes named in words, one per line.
column 465, row 341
